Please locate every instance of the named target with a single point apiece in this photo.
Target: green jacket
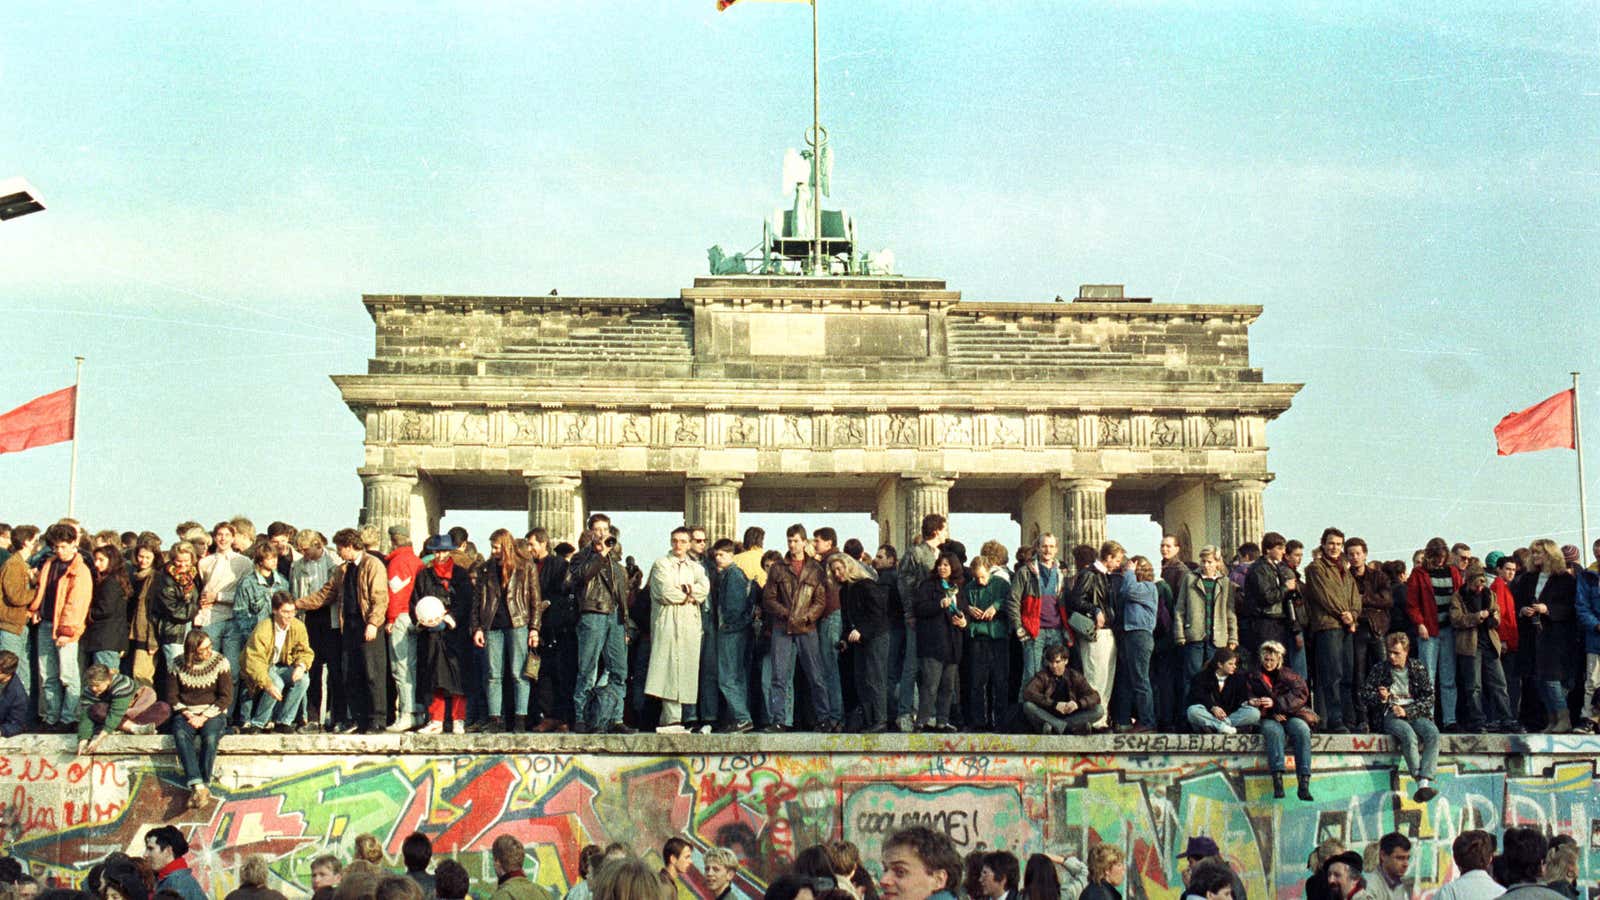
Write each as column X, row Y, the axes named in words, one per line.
column 993, row 595
column 118, row 697
column 519, row 888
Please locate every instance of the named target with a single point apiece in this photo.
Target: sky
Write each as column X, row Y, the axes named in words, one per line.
column 1410, row 191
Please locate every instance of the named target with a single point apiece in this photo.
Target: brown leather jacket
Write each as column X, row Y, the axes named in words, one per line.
column 793, row 602
column 523, row 598
column 17, row 594
column 372, row 586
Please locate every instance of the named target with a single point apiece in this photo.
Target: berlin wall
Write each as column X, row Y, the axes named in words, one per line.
column 294, row 798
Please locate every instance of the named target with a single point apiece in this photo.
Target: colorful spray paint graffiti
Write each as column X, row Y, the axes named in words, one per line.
column 64, row 813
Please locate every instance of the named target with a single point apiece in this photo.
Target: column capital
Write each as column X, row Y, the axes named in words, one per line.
column 1085, row 485
column 1240, row 485
column 709, row 481
column 373, row 477
column 552, row 479
column 930, row 479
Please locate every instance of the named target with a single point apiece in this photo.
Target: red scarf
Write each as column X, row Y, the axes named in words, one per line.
column 444, row 566
column 181, row 862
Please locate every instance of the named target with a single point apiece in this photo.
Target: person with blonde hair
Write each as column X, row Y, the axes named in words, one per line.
column 174, row 600
column 368, row 848
column 253, row 875
column 1107, row 871
column 306, row 574
column 1547, row 600
column 1142, row 597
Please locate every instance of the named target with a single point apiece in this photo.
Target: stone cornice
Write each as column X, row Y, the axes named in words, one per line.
column 1247, row 398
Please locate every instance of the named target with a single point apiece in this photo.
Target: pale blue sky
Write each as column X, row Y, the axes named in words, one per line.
column 1411, row 190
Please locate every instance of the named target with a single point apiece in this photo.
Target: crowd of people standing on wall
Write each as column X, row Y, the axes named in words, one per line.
column 916, row 863
column 230, row 631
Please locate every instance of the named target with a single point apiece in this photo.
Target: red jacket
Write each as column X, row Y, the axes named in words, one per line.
column 1508, row 614
column 402, row 571
column 1420, row 604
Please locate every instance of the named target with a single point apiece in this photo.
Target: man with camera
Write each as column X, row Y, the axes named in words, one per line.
column 678, row 591
column 600, row 584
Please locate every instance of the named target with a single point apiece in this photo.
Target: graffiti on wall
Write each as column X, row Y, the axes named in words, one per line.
column 62, row 813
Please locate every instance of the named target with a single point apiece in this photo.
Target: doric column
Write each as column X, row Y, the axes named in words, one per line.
column 1243, row 518
column 924, row 493
column 712, row 502
column 386, row 500
column 552, row 501
column 1085, row 508
column 888, row 510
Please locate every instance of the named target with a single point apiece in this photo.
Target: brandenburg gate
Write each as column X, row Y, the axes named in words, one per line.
column 887, row 395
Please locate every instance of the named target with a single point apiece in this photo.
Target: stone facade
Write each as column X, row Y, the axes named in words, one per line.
column 891, row 396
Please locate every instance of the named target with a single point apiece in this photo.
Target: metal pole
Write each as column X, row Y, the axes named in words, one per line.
column 72, row 475
column 1577, row 444
column 816, row 150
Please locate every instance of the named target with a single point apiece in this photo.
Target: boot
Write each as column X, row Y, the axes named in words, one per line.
column 1277, row 785
column 1305, row 788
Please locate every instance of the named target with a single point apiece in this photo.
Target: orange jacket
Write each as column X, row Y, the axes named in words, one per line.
column 73, row 594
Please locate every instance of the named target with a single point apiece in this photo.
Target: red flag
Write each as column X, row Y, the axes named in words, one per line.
column 46, row 420
column 1546, row 425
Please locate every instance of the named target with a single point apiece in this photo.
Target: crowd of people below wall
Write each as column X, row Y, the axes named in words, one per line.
column 917, row 863
column 227, row 631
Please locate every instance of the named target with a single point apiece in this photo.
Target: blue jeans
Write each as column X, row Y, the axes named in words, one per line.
column 1133, row 659
column 197, row 749
column 784, row 716
column 18, row 644
column 497, row 641
column 1033, row 652
column 1407, row 733
column 294, row 697
column 785, row 649
column 733, row 668
column 1298, row 733
column 231, row 645
column 58, row 676
column 706, row 707
column 402, row 666
column 829, row 631
column 172, row 653
column 111, row 659
column 1439, row 658
column 1194, row 659
column 601, row 642
column 1335, row 676
column 1204, row 722
column 904, row 679
column 1297, row 659
column 1554, row 695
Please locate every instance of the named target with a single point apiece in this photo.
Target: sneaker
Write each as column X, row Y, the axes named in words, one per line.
column 1424, row 794
column 433, row 727
column 740, row 727
column 346, row 728
column 774, row 728
column 399, row 726
column 458, row 727
column 1227, row 728
column 704, row 729
column 283, row 728
column 250, row 729
column 146, row 728
column 671, row 729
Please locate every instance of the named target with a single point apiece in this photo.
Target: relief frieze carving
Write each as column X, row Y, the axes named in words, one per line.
column 1064, row 430
column 1219, row 432
column 1115, row 431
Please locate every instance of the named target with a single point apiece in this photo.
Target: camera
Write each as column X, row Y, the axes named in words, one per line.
column 611, row 542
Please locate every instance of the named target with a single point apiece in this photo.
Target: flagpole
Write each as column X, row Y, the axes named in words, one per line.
column 72, row 475
column 816, row 150
column 1577, row 444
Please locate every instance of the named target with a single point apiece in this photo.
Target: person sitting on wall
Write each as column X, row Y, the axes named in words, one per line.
column 14, row 702
column 1286, row 717
column 1058, row 699
column 114, row 702
column 1219, row 697
column 277, row 656
column 1401, row 696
